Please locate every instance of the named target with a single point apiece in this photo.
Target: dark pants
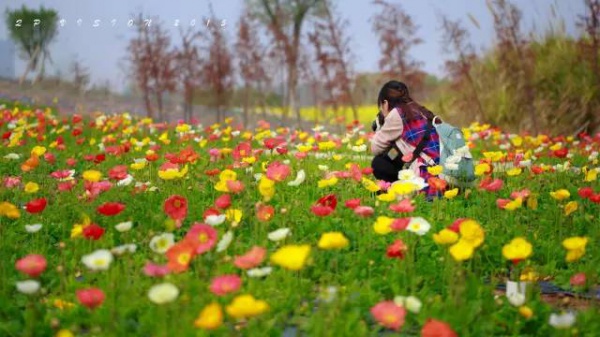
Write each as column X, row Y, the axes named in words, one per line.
column 384, row 169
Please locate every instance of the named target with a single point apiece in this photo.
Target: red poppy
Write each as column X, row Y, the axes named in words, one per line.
column 180, row 255
column 152, row 156
column 36, row 206
column 209, row 212
column 434, row 328
column 585, row 192
column 110, row 208
column 595, row 198
column 66, row 185
column 223, row 202
column 99, row 158
column 212, row 172
column 437, row 184
column 93, row 231
column 90, row 297
column 176, row 207
column 491, row 185
column 561, row 153
column 319, row 210
column 399, row 225
column 501, row 203
column 50, row 158
column 404, row 206
column 537, row 170
column 277, row 171
column 32, row 265
column 251, row 258
column 282, row 150
column 364, row 211
column 352, row 203
column 118, row 172
column 271, row 143
column 235, row 186
column 264, row 213
column 329, row 200
column 578, row 280
column 396, row 249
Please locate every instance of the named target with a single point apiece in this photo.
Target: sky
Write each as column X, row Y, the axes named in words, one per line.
column 103, row 48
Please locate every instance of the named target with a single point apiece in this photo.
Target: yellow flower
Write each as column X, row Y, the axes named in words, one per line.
column 445, row 237
column 9, row 210
column 591, row 175
column 514, row 171
column 560, row 194
column 529, row 275
column 532, row 202
column 435, row 170
column 383, row 225
column 571, row 207
column 337, row 157
column 495, row 156
column 249, row 160
column 472, row 233
column 31, row 187
column 326, row 146
column 266, row 187
column 333, row 240
column 450, row 194
column 403, row 188
column 92, row 176
column 138, row 165
column 227, row 175
column 64, row 333
column 328, row 182
column 182, row 128
column 462, row 250
column 246, row 306
column 370, row 185
column 234, row 215
column 514, row 204
column 517, row 249
column 38, row 151
column 62, row 305
column 517, row 141
column 221, row 186
column 292, row 257
column 481, row 169
column 304, row 148
column 211, row 317
column 171, row 174
column 575, row 247
column 526, row 312
column 387, row 197
column 78, row 228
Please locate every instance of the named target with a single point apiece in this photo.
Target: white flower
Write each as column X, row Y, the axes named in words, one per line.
column 525, row 163
column 163, row 293
column 224, row 242
column 286, row 162
column 235, row 133
column 215, row 220
column 323, row 167
column 411, row 303
column 418, row 226
column 12, row 156
column 300, row 176
column 125, row 181
column 516, row 299
column 593, row 156
column 359, row 148
column 126, row 248
column 406, row 175
column 28, row 287
column 161, row 243
column 257, row 176
column 98, row 260
column 33, row 228
column 124, row 226
column 279, row 234
column 562, row 321
column 259, row 272
column 249, row 169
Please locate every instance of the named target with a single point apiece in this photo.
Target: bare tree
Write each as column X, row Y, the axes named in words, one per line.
column 456, row 41
column 285, row 20
column 397, row 34
column 217, row 72
column 590, row 22
column 189, row 65
column 81, row 76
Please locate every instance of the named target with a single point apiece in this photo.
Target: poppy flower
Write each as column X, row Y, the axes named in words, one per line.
column 180, row 255
column 455, row 226
column 396, row 249
column 234, row 186
column 437, row 184
column 352, row 203
column 202, row 237
column 491, row 185
column 389, row 314
column 110, row 208
column 435, row 328
column 32, row 265
column 595, row 198
column 585, row 192
column 277, row 171
column 325, row 205
column 401, row 224
column 93, row 231
column 223, row 202
column 578, row 280
column 155, row 270
column 118, row 172
column 225, row 284
column 90, row 297
column 36, row 206
column 251, row 259
column 404, row 206
column 264, row 213
column 364, row 211
column 176, row 207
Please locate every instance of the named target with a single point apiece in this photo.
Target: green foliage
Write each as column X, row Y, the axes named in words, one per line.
column 32, row 30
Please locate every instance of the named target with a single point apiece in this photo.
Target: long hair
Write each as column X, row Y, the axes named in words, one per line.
column 397, row 95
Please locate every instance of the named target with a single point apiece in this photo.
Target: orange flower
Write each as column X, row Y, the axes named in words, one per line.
column 180, row 255
column 30, row 164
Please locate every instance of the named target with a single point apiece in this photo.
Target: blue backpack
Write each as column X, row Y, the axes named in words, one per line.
column 455, row 157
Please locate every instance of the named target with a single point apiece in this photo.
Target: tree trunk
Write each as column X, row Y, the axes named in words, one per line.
column 149, row 111
column 246, row 101
column 30, row 64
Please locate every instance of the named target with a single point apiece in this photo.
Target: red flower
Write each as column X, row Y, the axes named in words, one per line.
column 251, row 259
column 389, row 315
column 223, row 202
column 578, row 279
column 455, row 226
column 364, row 211
column 399, row 225
column 176, row 207
column 404, row 206
column 180, row 255
column 209, row 212
column 537, row 170
column 434, row 328
column 271, row 143
column 501, row 203
column 325, row 206
column 212, row 172
column 93, row 231
column 225, row 284
column 235, row 186
column 32, row 265
column 90, row 297
column 352, row 203
column 99, row 158
column 595, row 198
column 36, row 206
column 66, row 185
column 561, row 153
column 71, row 162
column 277, row 171
column 118, row 172
column 202, row 237
column 491, row 185
column 585, row 192
column 437, row 184
column 264, row 213
column 396, row 249
column 319, row 210
column 282, row 150
column 110, row 208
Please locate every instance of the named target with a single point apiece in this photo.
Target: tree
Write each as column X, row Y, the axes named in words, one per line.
column 250, row 54
column 81, row 76
column 590, row 22
column 32, row 31
column 285, row 20
column 153, row 63
column 189, row 65
column 397, row 34
column 217, row 72
column 456, row 41
column 334, row 55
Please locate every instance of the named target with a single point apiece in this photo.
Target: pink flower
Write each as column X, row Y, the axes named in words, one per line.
column 235, row 186
column 389, row 314
column 523, row 194
column 91, row 297
column 251, row 259
column 400, row 224
column 364, row 211
column 277, row 171
column 404, row 206
column 578, row 279
column 300, row 155
column 501, row 203
column 32, row 265
column 223, row 202
column 352, row 203
column 203, row 237
column 12, row 182
column 383, row 185
column 491, row 185
column 155, row 270
column 225, row 284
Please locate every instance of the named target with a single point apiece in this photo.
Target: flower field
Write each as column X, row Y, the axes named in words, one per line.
column 118, row 226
